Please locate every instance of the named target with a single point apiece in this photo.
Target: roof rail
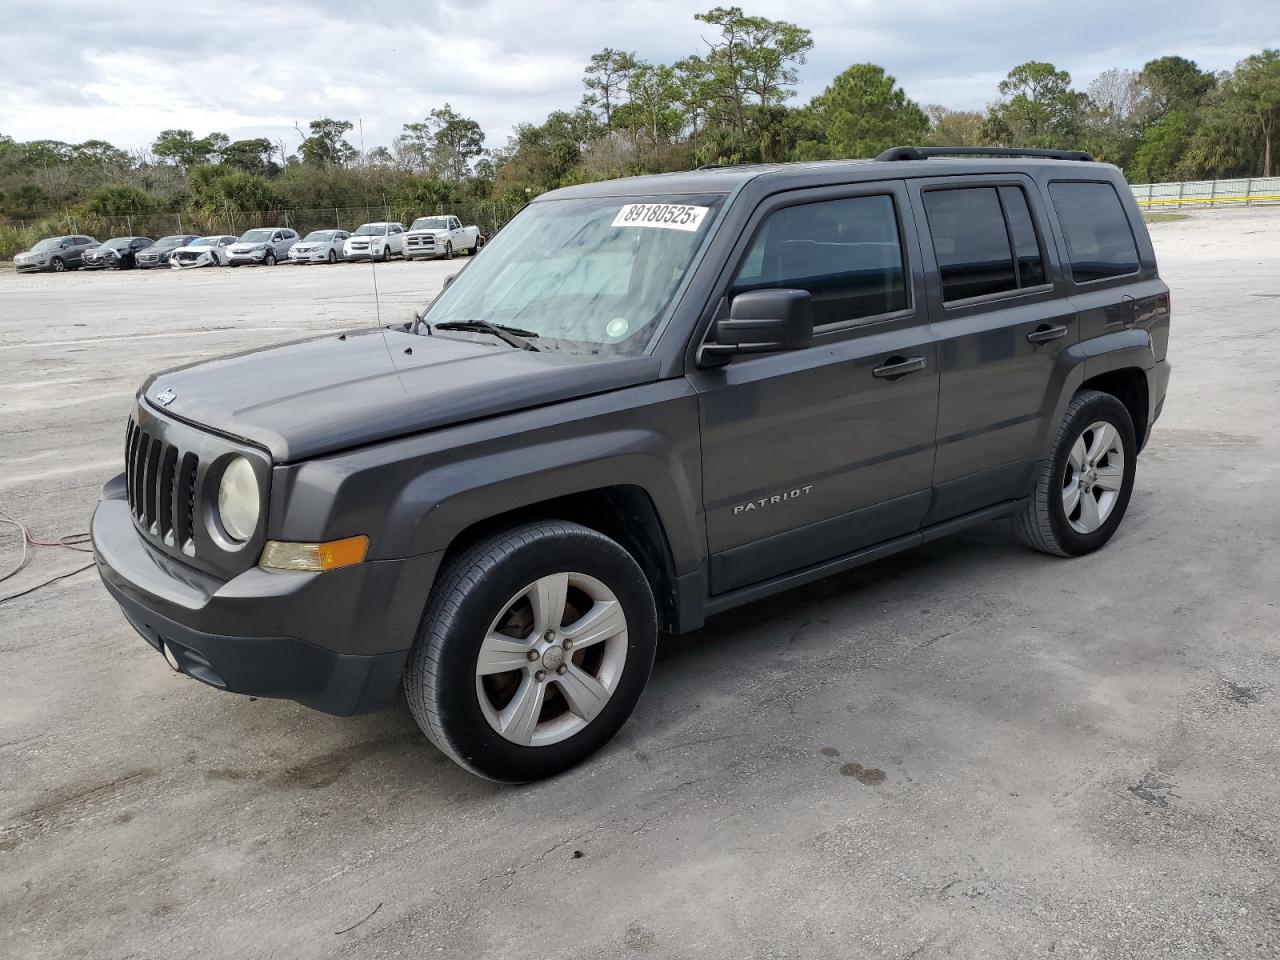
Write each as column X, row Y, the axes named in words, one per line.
column 924, row 153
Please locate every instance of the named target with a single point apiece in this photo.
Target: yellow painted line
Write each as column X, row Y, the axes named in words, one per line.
column 1167, row 201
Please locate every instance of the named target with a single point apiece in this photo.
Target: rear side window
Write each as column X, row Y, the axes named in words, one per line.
column 1026, row 248
column 846, row 253
column 1100, row 242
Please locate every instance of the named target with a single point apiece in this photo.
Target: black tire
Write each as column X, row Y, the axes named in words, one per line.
column 270, row 259
column 333, row 257
column 1042, row 523
column 470, row 592
column 448, row 250
column 58, row 265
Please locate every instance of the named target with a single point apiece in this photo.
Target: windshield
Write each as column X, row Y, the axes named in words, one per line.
column 119, row 243
column 170, row 241
column 318, row 236
column 371, row 230
column 256, row 236
column 205, row 242
column 51, row 244
column 596, row 272
column 430, row 223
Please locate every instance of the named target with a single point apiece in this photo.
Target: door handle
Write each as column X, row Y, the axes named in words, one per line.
column 1043, row 333
column 896, row 367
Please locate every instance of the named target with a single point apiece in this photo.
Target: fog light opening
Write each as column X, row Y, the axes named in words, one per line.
column 170, row 658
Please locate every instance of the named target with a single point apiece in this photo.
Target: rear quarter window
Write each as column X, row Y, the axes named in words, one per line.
column 1100, row 242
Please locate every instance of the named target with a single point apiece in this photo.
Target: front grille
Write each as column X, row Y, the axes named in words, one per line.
column 160, row 480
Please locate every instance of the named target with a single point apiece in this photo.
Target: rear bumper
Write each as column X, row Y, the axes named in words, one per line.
column 1157, row 387
column 336, row 641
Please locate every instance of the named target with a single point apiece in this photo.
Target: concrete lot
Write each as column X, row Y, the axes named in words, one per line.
column 971, row 750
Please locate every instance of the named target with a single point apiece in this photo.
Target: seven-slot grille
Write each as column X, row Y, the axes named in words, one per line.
column 161, row 484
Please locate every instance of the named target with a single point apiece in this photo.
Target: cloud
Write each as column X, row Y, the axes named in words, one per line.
column 253, row 69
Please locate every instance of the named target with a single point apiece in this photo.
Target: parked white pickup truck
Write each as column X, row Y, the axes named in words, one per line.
column 432, row 237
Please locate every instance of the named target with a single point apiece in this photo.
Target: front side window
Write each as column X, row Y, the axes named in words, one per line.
column 846, row 253
column 588, row 274
column 1100, row 242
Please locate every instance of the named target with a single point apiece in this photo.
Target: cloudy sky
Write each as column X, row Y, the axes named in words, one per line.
column 123, row 71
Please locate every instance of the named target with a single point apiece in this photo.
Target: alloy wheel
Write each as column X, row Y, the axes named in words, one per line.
column 551, row 659
column 1093, row 477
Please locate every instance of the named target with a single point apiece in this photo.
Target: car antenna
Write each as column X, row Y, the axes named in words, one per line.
column 373, row 271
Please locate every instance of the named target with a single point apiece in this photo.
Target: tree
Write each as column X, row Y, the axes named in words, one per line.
column 252, row 156
column 455, row 141
column 606, row 78
column 119, row 201
column 99, row 153
column 183, row 149
column 952, row 128
column 651, row 111
column 1256, row 84
column 1113, row 116
column 863, row 112
column 1172, row 83
column 326, row 146
column 754, row 60
column 1040, row 109
column 1158, row 156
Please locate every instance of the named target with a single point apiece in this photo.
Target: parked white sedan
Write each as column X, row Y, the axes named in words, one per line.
column 202, row 252
column 319, row 246
column 375, row 241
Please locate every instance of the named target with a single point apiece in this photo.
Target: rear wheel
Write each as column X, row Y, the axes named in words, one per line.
column 1083, row 489
column 533, row 651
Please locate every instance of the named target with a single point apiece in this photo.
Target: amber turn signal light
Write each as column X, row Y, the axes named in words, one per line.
column 314, row 557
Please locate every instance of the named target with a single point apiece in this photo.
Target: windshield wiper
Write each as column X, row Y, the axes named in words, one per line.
column 510, row 335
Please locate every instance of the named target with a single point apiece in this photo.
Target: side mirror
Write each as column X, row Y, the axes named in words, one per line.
column 448, row 280
column 763, row 321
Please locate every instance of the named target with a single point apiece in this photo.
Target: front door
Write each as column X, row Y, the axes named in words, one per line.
column 812, row 454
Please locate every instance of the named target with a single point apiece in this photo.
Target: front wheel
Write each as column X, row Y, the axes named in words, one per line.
column 59, row 265
column 270, row 259
column 333, row 257
column 533, row 651
column 448, row 250
column 1083, row 489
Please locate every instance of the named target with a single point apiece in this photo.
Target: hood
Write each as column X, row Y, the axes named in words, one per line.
column 301, row 400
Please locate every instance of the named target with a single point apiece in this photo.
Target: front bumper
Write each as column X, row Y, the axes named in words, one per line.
column 33, row 267
column 247, row 257
column 335, row 641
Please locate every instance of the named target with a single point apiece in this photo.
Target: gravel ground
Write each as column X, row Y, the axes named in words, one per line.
column 970, row 750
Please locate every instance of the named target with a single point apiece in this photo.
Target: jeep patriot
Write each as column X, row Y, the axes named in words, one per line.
column 646, row 401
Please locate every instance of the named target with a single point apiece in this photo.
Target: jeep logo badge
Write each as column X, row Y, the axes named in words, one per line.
column 166, row 397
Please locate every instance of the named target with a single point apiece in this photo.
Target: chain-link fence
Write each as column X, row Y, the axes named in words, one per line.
column 1208, row 193
column 488, row 215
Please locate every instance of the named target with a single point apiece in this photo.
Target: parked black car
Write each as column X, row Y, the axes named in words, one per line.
column 650, row 401
column 118, row 253
column 157, row 255
column 54, row 254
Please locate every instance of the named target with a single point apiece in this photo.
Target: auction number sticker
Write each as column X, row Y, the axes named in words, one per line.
column 667, row 216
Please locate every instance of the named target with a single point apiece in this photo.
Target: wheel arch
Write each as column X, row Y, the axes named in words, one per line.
column 1119, row 363
column 625, row 513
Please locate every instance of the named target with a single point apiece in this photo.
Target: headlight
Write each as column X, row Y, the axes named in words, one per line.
column 238, row 502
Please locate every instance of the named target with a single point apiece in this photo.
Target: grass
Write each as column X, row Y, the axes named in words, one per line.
column 1165, row 217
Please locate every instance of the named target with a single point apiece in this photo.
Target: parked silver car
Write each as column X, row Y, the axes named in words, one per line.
column 262, row 245
column 319, row 246
column 54, row 254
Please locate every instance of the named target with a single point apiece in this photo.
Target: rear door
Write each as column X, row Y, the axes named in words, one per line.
column 811, row 454
column 1002, row 320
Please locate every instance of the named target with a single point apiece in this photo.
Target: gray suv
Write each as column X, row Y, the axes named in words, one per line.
column 651, row 401
column 55, row 254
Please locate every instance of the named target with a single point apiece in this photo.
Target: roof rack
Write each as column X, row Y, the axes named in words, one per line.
column 924, row 153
